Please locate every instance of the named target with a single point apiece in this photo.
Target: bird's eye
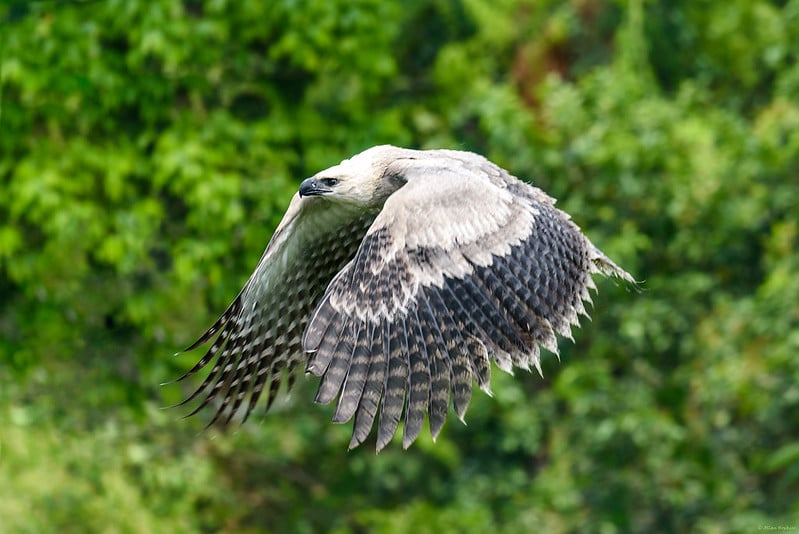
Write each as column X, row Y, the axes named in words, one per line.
column 329, row 182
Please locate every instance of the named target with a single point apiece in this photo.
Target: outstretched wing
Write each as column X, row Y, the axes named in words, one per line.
column 257, row 339
column 464, row 265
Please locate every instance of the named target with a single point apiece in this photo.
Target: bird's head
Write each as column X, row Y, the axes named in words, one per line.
column 366, row 179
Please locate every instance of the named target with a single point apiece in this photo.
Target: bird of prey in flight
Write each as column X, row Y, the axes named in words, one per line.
column 398, row 276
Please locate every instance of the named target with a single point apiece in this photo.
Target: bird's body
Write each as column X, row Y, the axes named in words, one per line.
column 398, row 276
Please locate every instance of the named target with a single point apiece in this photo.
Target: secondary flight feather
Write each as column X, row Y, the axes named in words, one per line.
column 398, row 276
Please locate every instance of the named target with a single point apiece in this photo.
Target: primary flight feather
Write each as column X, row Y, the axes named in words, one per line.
column 398, row 276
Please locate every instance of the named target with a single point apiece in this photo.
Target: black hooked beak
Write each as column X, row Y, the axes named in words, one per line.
column 311, row 187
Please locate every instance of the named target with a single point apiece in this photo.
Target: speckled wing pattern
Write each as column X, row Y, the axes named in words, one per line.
column 464, row 265
column 257, row 339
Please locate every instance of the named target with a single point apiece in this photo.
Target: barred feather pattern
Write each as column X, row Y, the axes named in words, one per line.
column 398, row 287
column 258, row 338
column 419, row 359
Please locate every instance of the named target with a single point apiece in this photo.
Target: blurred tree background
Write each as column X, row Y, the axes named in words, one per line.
column 148, row 148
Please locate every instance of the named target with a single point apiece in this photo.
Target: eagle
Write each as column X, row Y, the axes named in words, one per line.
column 398, row 276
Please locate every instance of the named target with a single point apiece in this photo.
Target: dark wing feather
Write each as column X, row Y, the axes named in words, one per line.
column 440, row 366
column 395, row 382
column 418, row 380
column 463, row 265
column 338, row 342
column 459, row 366
column 356, row 375
column 258, row 338
column 373, row 388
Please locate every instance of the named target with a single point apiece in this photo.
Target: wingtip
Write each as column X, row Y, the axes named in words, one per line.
column 537, row 364
column 312, row 369
column 323, row 397
column 436, row 428
column 636, row 285
column 356, row 439
column 604, row 265
column 176, row 380
column 201, row 341
column 353, row 444
column 384, row 438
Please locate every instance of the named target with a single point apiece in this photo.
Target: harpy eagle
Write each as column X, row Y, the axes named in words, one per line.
column 398, row 276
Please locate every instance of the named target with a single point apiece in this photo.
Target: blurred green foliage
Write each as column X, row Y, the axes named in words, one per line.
column 149, row 147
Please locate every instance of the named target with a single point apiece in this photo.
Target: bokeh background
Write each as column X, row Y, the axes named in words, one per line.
column 148, row 148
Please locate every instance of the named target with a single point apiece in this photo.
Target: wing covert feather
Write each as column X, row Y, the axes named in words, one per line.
column 400, row 307
column 462, row 266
